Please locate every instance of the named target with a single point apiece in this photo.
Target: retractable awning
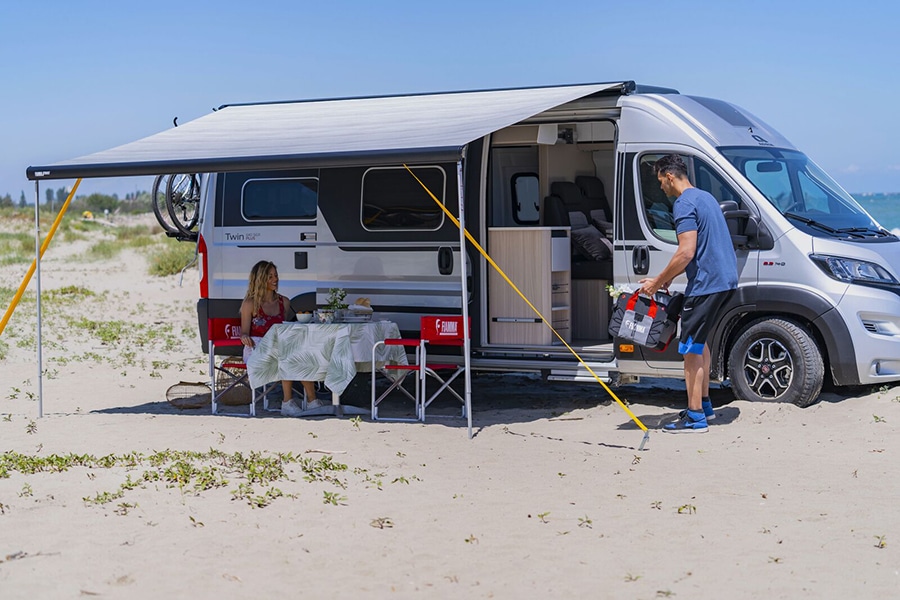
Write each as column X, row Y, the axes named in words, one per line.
column 280, row 135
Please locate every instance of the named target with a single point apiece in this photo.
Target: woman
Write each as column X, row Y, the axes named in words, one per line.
column 263, row 307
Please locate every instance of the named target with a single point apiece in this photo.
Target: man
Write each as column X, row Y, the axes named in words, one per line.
column 705, row 254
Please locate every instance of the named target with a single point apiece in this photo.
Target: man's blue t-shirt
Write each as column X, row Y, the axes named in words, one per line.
column 714, row 266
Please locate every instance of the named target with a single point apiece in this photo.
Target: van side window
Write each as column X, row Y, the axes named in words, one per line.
column 279, row 199
column 658, row 208
column 392, row 199
column 526, row 196
column 708, row 180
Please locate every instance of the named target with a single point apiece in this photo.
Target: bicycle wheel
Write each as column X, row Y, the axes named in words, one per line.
column 158, row 198
column 183, row 202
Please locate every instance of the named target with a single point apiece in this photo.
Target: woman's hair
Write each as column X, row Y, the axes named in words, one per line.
column 258, row 287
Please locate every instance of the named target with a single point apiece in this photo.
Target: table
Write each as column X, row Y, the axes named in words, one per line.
column 332, row 353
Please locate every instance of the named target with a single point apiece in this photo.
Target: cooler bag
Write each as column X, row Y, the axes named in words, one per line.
column 649, row 322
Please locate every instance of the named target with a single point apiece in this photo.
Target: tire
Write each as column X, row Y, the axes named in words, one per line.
column 183, row 202
column 158, row 199
column 776, row 360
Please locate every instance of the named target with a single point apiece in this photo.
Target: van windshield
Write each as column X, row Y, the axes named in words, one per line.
column 804, row 193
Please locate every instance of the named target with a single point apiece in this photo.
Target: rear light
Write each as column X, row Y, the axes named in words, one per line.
column 204, row 281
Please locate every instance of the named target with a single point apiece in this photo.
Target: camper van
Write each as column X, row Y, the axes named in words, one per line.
column 557, row 185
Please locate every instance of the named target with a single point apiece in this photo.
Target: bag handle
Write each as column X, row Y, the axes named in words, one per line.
column 632, row 302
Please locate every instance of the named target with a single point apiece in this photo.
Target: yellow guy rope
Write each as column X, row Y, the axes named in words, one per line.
column 536, row 311
column 27, row 278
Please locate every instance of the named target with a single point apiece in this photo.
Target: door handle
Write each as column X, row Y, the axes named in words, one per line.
column 445, row 260
column 640, row 260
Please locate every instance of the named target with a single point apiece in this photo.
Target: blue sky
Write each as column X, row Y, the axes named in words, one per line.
column 88, row 75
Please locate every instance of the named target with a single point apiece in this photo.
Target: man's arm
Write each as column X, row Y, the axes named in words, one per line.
column 687, row 247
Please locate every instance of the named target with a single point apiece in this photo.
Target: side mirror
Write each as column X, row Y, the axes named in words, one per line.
column 736, row 219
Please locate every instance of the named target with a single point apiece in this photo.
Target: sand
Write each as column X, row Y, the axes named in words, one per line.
column 550, row 499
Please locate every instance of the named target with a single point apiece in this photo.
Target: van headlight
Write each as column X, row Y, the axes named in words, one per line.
column 852, row 270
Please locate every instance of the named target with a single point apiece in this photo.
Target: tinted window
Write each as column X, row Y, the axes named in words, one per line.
column 271, row 199
column 393, row 199
column 658, row 207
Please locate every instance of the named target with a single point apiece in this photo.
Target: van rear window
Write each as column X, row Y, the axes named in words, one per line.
column 393, row 199
column 269, row 199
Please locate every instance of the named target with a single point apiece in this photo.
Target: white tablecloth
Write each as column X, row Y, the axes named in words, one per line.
column 331, row 353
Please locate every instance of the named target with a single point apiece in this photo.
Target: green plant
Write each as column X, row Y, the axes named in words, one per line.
column 382, row 523
column 171, row 257
column 335, row 299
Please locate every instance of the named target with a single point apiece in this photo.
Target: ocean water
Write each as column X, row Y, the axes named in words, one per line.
column 884, row 207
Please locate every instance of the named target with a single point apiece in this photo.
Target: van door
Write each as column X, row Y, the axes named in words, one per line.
column 266, row 215
column 648, row 228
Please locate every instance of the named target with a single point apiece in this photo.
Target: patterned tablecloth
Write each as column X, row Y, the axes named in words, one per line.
column 330, row 353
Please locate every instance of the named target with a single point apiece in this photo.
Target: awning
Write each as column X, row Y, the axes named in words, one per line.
column 431, row 127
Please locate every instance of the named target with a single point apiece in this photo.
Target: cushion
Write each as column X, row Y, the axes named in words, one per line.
column 599, row 214
column 591, row 243
column 577, row 220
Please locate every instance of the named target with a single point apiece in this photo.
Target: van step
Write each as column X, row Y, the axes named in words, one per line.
column 587, row 378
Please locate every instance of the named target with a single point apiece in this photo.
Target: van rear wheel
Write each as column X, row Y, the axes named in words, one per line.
column 776, row 360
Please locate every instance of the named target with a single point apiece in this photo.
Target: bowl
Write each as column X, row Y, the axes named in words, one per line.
column 304, row 317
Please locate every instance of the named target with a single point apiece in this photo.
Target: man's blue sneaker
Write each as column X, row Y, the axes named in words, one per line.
column 691, row 422
column 708, row 411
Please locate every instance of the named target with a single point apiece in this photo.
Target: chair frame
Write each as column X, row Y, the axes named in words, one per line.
column 231, row 326
column 430, row 334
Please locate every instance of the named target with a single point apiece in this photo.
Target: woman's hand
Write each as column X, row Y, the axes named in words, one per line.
column 247, row 340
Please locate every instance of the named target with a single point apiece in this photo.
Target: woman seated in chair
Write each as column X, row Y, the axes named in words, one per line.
column 263, row 307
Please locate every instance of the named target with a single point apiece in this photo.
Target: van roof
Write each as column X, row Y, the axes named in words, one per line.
column 371, row 130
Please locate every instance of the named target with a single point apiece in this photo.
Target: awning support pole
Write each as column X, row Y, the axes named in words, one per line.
column 464, row 300
column 37, row 262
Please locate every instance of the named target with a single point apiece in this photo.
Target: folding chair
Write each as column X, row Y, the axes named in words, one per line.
column 400, row 373
column 434, row 331
column 225, row 334
column 440, row 331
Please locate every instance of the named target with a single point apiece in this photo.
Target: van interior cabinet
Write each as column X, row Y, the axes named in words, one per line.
column 590, row 318
column 538, row 261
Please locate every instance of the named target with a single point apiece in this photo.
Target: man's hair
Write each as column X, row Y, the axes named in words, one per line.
column 670, row 163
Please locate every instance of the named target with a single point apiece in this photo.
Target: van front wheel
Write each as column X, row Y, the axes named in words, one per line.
column 776, row 360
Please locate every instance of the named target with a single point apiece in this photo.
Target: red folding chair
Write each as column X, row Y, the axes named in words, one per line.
column 434, row 331
column 440, row 331
column 225, row 335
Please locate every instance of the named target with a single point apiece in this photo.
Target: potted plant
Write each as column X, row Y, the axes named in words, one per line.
column 334, row 305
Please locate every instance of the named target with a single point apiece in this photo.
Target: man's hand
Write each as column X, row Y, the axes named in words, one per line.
column 653, row 285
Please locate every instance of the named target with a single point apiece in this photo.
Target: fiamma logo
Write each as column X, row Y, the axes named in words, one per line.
column 634, row 326
column 233, row 332
column 446, row 327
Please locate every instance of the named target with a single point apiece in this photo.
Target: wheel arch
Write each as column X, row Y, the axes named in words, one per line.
column 803, row 307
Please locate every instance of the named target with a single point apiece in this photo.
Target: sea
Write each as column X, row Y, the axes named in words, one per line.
column 885, row 208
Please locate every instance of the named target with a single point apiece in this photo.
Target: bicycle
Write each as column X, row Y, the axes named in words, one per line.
column 176, row 204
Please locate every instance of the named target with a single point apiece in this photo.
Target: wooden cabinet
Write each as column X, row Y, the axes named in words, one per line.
column 538, row 260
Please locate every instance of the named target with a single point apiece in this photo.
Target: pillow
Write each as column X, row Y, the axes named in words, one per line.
column 577, row 220
column 592, row 244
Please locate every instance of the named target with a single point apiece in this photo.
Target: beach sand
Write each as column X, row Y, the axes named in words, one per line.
column 550, row 499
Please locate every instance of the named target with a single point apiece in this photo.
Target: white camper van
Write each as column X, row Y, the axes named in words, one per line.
column 557, row 184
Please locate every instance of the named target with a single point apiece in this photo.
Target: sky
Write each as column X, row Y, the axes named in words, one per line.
column 80, row 77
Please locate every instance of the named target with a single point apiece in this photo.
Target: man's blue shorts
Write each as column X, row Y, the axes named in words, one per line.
column 697, row 319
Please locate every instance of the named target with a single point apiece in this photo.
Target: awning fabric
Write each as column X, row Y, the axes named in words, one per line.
column 432, row 127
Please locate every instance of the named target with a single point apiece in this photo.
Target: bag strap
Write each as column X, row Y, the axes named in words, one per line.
column 632, row 302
